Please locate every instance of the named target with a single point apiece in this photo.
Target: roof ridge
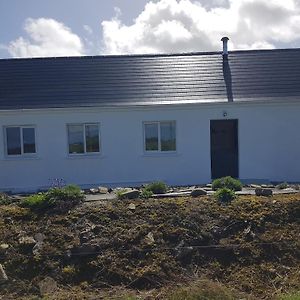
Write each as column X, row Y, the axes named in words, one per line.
column 153, row 54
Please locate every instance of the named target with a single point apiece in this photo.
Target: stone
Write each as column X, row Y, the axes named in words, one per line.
column 131, row 206
column 47, row 286
column 133, row 194
column 103, row 190
column 93, row 191
column 39, row 237
column 263, row 192
column 198, row 192
column 37, row 248
column 4, row 246
column 149, row 239
column 3, row 276
column 267, row 186
column 255, row 186
column 27, row 240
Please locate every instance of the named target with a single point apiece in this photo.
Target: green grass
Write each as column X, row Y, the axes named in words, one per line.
column 290, row 296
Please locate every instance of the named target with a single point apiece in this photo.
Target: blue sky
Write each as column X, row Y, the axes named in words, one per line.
column 30, row 28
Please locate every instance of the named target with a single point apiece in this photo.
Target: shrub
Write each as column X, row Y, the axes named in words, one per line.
column 36, row 201
column 4, row 199
column 282, row 185
column 60, row 198
column 157, row 187
column 225, row 195
column 227, row 182
column 145, row 194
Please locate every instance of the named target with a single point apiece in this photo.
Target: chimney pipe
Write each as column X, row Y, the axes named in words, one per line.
column 225, row 40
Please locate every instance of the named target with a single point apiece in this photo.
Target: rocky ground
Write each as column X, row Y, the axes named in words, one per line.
column 148, row 249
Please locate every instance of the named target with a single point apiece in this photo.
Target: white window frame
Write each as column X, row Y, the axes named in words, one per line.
column 84, row 139
column 21, row 141
column 159, row 138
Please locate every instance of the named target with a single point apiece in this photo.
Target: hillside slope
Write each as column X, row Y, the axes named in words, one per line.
column 251, row 246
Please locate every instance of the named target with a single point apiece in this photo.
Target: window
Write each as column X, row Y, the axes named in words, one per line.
column 20, row 140
column 83, row 138
column 160, row 136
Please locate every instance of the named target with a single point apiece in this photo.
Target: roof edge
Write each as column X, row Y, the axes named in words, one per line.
column 151, row 54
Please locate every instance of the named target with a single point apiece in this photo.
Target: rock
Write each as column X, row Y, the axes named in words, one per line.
column 39, row 237
column 131, row 206
column 103, row 190
column 198, row 192
column 255, row 186
column 27, row 241
column 93, row 191
column 4, row 246
column 133, row 194
column 149, row 239
column 37, row 248
column 263, row 192
column 3, row 276
column 47, row 286
column 267, row 186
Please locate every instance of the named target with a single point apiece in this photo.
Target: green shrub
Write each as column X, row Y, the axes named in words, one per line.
column 145, row 194
column 227, row 182
column 282, row 185
column 225, row 195
column 36, row 201
column 60, row 198
column 157, row 187
column 4, row 199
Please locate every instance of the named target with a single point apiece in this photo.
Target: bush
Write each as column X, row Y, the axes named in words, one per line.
column 227, row 182
column 282, row 185
column 4, row 199
column 157, row 187
column 60, row 198
column 145, row 194
column 225, row 195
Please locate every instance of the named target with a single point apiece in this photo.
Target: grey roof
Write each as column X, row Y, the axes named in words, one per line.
column 149, row 79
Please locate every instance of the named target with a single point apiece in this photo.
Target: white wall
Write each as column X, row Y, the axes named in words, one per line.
column 269, row 145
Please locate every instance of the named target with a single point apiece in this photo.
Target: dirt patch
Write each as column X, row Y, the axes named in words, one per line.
column 251, row 245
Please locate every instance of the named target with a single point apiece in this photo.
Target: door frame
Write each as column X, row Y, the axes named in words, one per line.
column 236, row 122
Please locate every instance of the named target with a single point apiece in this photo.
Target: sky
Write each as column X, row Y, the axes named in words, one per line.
column 40, row 28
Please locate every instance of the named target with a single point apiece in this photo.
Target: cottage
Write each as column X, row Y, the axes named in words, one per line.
column 122, row 120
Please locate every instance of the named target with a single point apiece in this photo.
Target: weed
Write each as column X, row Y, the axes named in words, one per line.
column 282, row 185
column 61, row 198
column 227, row 182
column 157, row 187
column 225, row 195
column 146, row 194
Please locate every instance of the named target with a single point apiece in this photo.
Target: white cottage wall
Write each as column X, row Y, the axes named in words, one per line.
column 269, row 145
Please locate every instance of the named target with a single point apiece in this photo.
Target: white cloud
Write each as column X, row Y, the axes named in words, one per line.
column 88, row 29
column 186, row 25
column 47, row 37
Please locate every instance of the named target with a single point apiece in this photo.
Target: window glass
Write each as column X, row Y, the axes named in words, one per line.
column 92, row 138
column 168, row 136
column 151, row 137
column 13, row 140
column 28, row 140
column 76, row 137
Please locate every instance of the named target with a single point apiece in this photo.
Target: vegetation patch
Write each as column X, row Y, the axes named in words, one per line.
column 61, row 199
column 180, row 248
column 157, row 187
column 225, row 195
column 227, row 182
